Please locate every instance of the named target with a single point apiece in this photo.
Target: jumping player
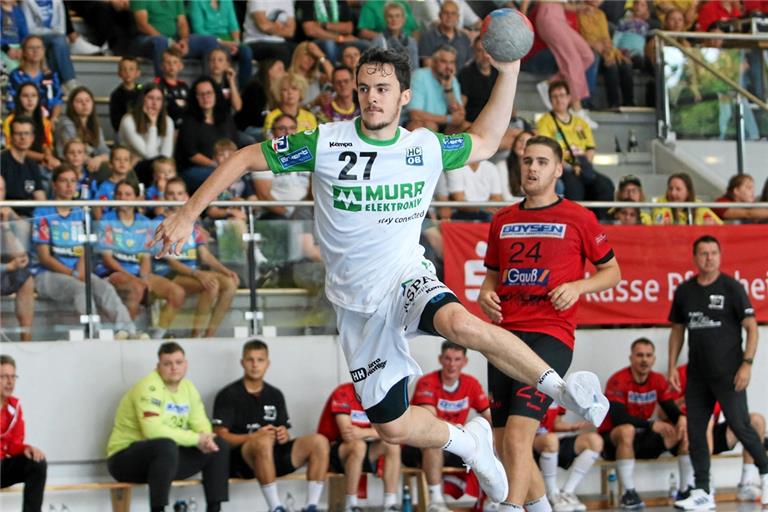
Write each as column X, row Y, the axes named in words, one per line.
column 372, row 185
column 535, row 261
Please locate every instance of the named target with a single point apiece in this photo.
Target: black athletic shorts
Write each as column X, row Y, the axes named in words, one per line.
column 565, row 455
column 720, row 439
column 647, row 445
column 411, row 458
column 238, row 468
column 337, row 466
column 510, row 397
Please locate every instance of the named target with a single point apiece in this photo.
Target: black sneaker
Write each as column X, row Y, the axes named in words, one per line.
column 631, row 501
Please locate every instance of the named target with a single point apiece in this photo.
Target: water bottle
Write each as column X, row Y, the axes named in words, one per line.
column 180, row 506
column 672, row 486
column 613, row 488
column 633, row 143
column 407, row 500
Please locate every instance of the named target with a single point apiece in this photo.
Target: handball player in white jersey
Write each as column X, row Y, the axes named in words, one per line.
column 372, row 184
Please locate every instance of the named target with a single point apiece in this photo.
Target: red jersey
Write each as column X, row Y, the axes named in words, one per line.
column 11, row 429
column 713, row 11
column 639, row 399
column 343, row 400
column 452, row 406
column 547, row 423
column 536, row 250
column 679, row 396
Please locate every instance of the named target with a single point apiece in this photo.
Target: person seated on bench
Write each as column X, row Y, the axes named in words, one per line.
column 577, row 452
column 19, row 462
column 161, row 434
column 629, row 430
column 252, row 417
column 448, row 394
column 356, row 447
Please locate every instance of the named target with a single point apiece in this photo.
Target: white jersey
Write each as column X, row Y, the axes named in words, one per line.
column 370, row 199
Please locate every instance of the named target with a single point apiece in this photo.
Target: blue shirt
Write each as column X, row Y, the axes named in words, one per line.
column 152, row 193
column 427, row 93
column 61, row 234
column 189, row 252
column 126, row 243
column 48, row 84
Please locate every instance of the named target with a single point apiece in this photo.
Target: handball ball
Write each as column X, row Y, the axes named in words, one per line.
column 507, row 34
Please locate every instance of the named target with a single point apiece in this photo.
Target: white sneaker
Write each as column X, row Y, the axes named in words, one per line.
column 122, row 335
column 698, row 500
column 560, row 503
column 83, row 47
column 438, row 507
column 488, row 469
column 576, row 504
column 543, row 89
column 491, row 506
column 583, row 396
column 748, row 492
column 584, row 114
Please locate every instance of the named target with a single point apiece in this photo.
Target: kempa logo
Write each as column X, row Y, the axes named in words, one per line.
column 379, row 198
column 340, row 144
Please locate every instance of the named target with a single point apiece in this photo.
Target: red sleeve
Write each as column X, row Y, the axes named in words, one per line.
column 756, row 5
column 341, row 401
column 425, row 393
column 492, row 252
column 595, row 240
column 478, row 400
column 615, row 389
column 721, row 211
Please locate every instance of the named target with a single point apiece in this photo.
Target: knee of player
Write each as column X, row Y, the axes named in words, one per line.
column 166, row 448
column 177, row 296
column 593, row 441
column 260, row 445
column 320, row 445
column 356, row 449
column 624, row 433
column 550, row 442
column 758, row 422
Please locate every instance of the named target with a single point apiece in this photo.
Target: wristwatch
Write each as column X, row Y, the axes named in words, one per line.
column 748, row 360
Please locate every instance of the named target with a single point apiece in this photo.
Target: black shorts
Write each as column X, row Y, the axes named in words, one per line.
column 411, row 458
column 647, row 445
column 511, row 397
column 337, row 466
column 238, row 468
column 566, row 453
column 10, row 282
column 720, row 439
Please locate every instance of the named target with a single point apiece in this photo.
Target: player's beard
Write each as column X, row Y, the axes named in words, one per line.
column 380, row 125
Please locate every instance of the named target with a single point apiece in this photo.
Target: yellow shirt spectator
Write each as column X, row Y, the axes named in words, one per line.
column 667, row 216
column 305, row 120
column 576, row 130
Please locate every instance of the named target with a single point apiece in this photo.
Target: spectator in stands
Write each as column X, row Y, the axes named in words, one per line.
column 220, row 70
column 449, row 394
column 427, row 11
column 629, row 431
column 479, row 181
column 81, row 121
column 126, row 94
column 207, row 121
column 269, row 29
column 161, row 433
column 356, row 447
column 28, row 105
column 216, row 286
column 350, row 57
column 124, row 240
column 394, row 38
column 120, row 168
column 436, row 95
column 259, row 98
column 15, row 276
column 617, row 67
column 741, row 189
column 147, row 130
column 372, row 22
column 680, row 189
column 515, row 161
column 19, row 462
column 46, row 19
column 581, row 180
column 292, row 186
column 252, row 417
column 164, row 25
column 342, row 106
column 175, row 91
column 292, row 90
column 217, row 18
column 577, row 452
column 118, row 34
column 22, row 175
column 14, row 31
column 445, row 32
column 60, row 273
column 626, row 216
column 688, row 8
column 631, row 33
column 74, row 155
column 330, row 25
column 309, row 62
column 714, row 14
column 476, row 80
column 237, row 191
column 163, row 170
column 631, row 189
column 32, row 68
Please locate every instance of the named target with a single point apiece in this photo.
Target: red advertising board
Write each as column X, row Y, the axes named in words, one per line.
column 654, row 261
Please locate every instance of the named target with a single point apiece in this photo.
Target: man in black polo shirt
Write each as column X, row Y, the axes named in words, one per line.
column 476, row 80
column 714, row 307
column 252, row 417
column 22, row 175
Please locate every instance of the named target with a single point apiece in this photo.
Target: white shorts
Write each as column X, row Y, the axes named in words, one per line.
column 376, row 344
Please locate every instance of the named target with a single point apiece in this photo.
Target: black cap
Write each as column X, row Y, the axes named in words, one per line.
column 630, row 179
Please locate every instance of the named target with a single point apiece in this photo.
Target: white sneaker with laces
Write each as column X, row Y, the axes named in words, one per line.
column 488, row 469
column 83, row 47
column 543, row 89
column 576, row 504
column 748, row 492
column 560, row 503
column 582, row 394
column 698, row 500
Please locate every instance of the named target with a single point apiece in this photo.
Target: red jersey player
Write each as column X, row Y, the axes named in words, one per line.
column 355, row 446
column 449, row 394
column 535, row 260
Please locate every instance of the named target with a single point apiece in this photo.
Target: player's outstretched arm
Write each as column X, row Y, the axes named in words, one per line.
column 178, row 226
column 492, row 123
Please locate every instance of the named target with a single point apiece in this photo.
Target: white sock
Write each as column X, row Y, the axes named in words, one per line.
column 548, row 465
column 539, row 505
column 314, row 490
column 749, row 474
column 551, row 384
column 270, row 494
column 626, row 470
column 351, row 501
column 686, row 472
column 509, row 507
column 580, row 467
column 436, row 494
column 390, row 498
column 460, row 442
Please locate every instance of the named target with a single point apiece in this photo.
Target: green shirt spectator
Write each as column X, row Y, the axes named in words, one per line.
column 221, row 23
column 372, row 23
column 161, row 15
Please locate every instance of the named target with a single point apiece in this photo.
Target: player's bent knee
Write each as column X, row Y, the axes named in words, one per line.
column 594, row 442
column 550, row 443
column 758, row 422
column 320, row 444
column 624, row 433
column 260, row 445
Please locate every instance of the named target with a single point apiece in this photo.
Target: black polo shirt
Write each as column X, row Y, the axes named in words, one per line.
column 477, row 88
column 242, row 412
column 21, row 179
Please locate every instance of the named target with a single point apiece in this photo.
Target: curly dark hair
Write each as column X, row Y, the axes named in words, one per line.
column 220, row 108
column 399, row 61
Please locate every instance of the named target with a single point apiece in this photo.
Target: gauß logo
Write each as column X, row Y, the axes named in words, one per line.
column 532, row 229
column 526, row 276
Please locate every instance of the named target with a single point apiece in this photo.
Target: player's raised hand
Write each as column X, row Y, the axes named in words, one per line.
column 506, row 67
column 172, row 233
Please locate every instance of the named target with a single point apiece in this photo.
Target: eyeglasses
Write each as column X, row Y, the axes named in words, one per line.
column 9, row 376
column 23, row 134
column 204, row 94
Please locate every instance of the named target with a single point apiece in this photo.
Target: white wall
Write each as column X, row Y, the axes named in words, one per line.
column 70, row 391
